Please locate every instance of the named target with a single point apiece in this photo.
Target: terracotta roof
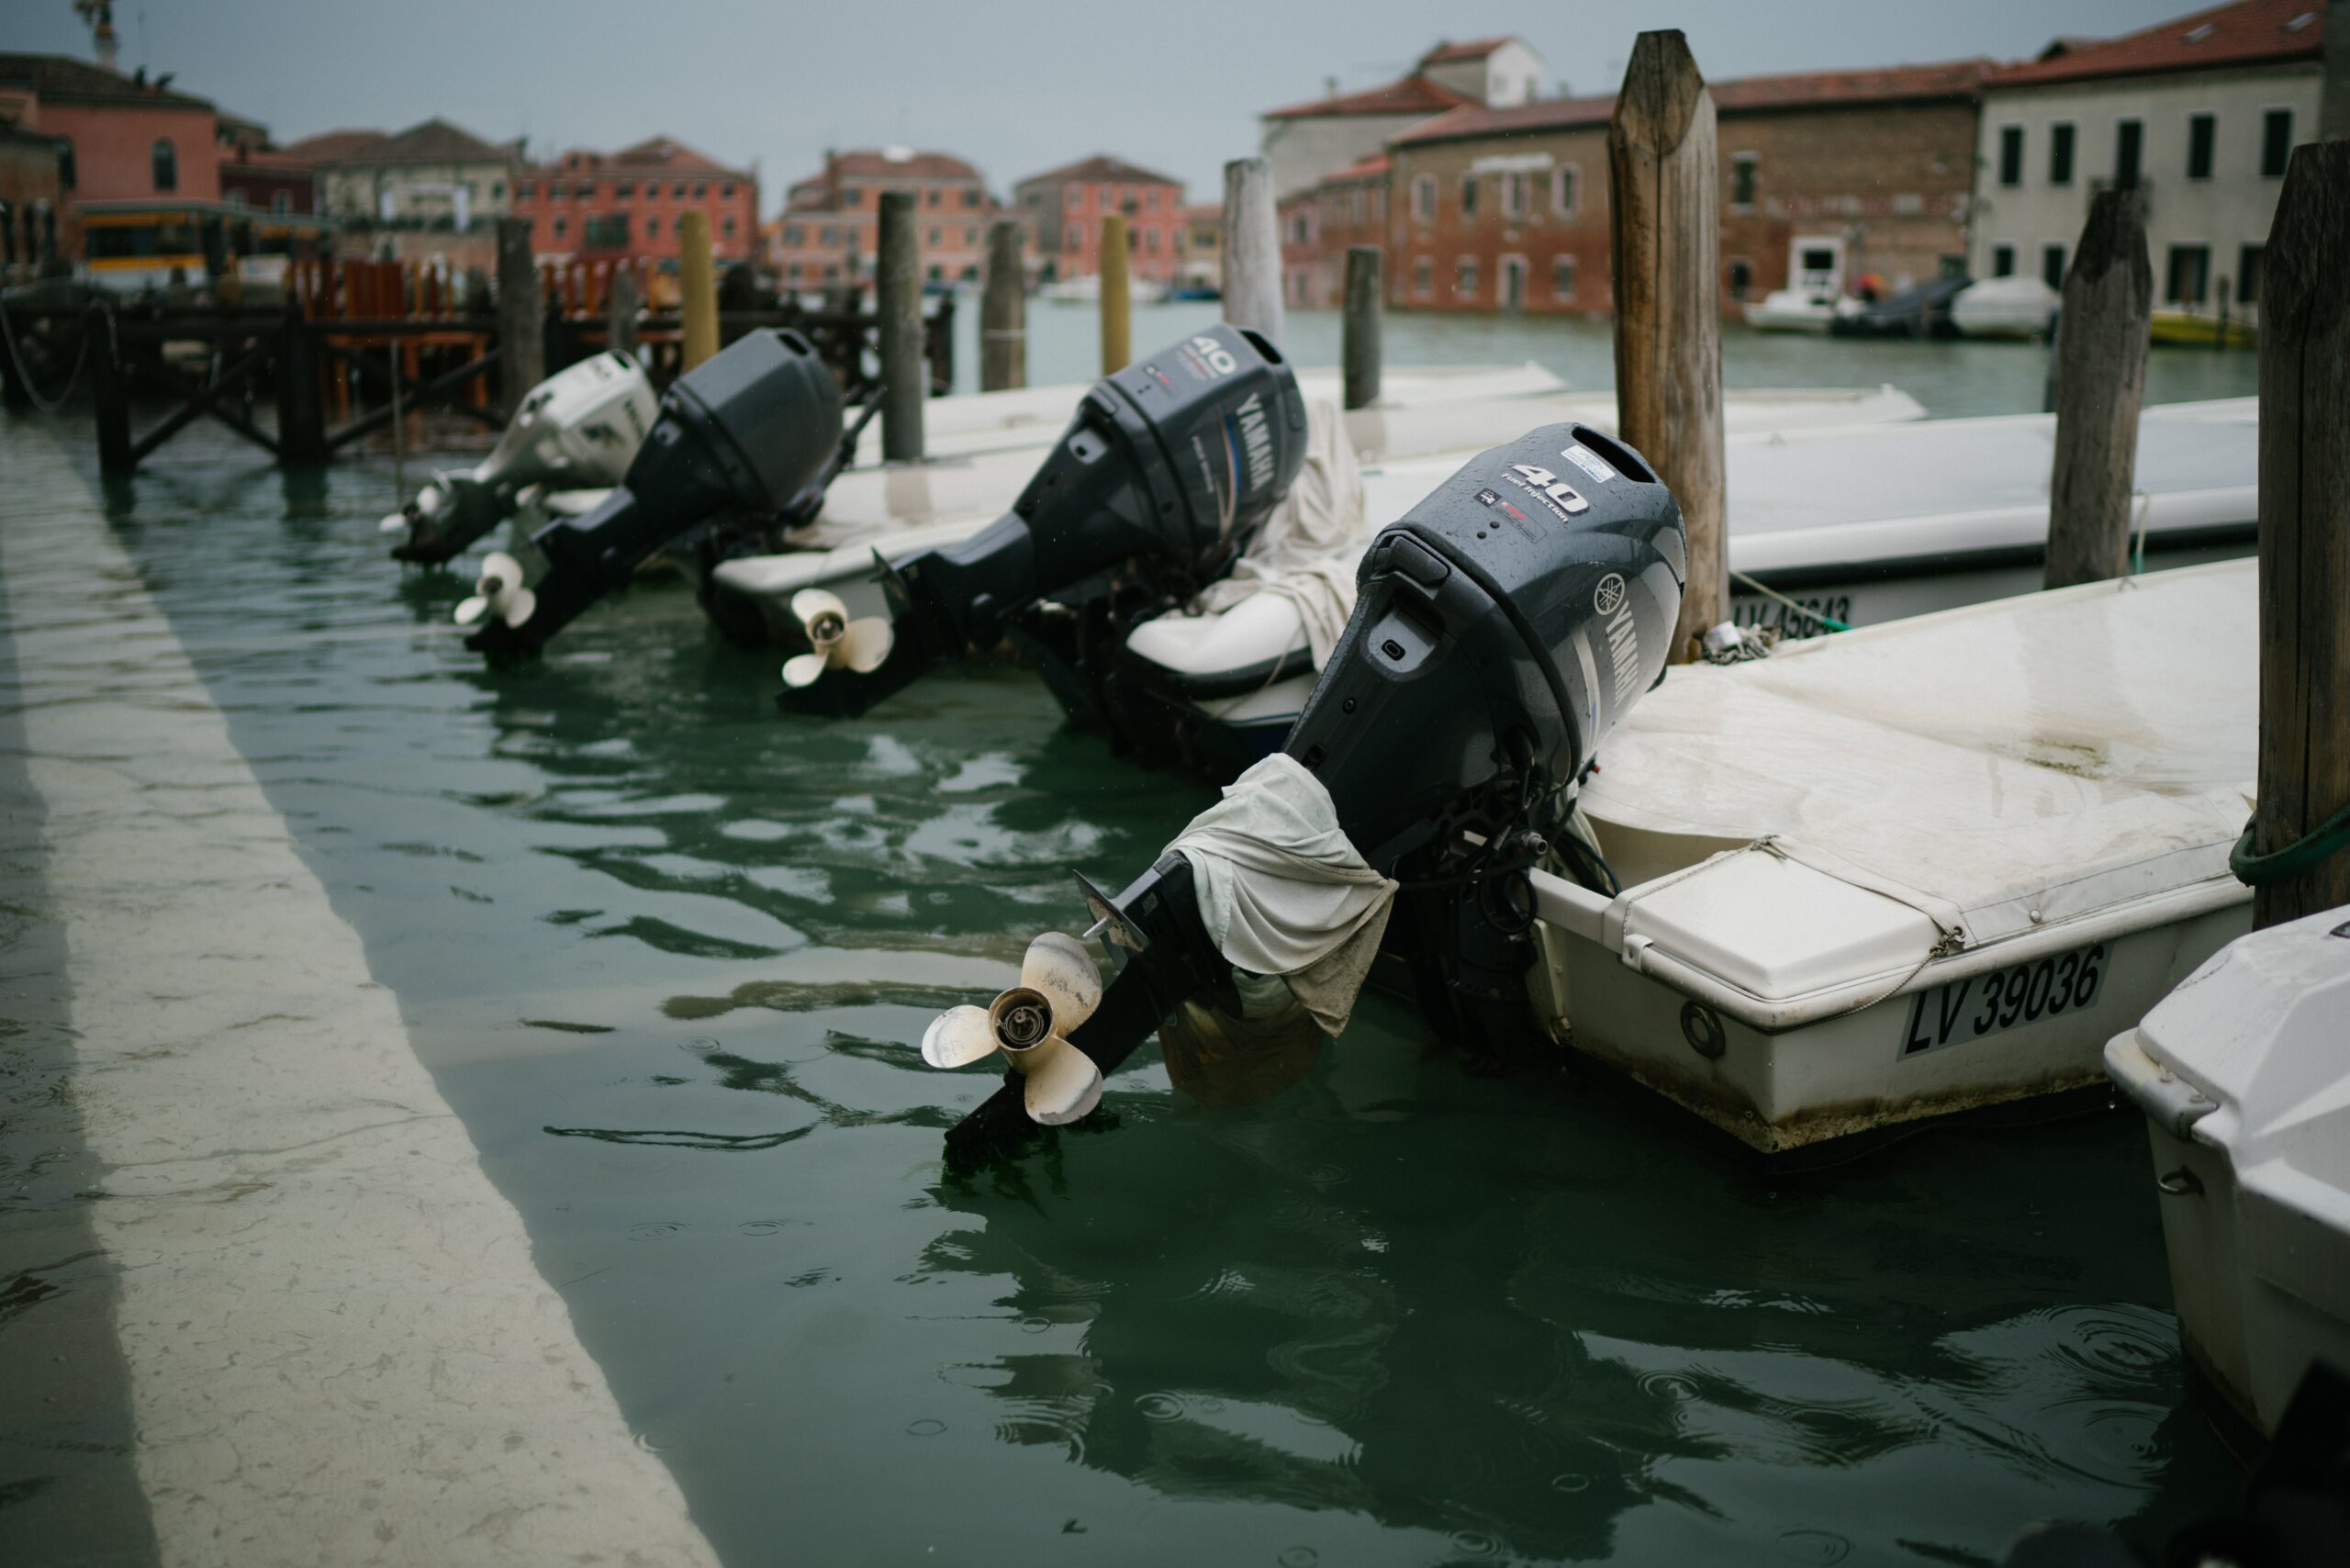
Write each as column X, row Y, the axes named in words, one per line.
column 434, row 141
column 1413, row 94
column 1475, row 48
column 1368, row 168
column 1475, row 119
column 1202, row 212
column 1816, row 89
column 666, row 152
column 868, row 163
column 332, row 146
column 2251, row 32
column 1100, row 166
column 67, row 80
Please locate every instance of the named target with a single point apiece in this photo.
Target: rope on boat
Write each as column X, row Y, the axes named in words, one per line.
column 2328, row 838
column 1771, row 593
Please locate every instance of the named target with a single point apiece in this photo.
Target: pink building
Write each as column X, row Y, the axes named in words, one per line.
column 126, row 138
column 1067, row 204
column 609, row 205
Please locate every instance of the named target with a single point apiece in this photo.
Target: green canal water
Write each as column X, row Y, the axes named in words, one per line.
column 667, row 953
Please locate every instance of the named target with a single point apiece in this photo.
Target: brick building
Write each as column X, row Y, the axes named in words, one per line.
column 1304, row 143
column 1502, row 209
column 627, row 205
column 434, row 177
column 30, row 196
column 1320, row 223
column 1067, row 204
column 1827, row 176
column 123, row 138
column 1201, row 246
column 1831, row 176
column 831, row 228
column 268, row 179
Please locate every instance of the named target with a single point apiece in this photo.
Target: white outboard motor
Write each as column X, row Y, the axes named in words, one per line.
column 577, row 430
column 1501, row 630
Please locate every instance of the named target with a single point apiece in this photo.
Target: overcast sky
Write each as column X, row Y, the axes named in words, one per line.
column 1016, row 87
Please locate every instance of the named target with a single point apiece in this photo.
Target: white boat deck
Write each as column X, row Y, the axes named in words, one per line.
column 1919, row 866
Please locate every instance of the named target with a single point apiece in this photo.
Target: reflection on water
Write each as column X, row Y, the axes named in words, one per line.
column 667, row 953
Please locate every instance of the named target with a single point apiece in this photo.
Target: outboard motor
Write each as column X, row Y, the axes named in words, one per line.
column 577, row 430
column 1503, row 626
column 1165, row 472
column 756, row 429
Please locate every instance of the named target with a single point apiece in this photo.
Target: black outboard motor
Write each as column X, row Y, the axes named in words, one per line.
column 1504, row 626
column 1160, row 483
column 757, row 427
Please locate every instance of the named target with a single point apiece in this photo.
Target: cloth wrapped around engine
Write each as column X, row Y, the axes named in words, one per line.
column 1282, row 891
column 1309, row 548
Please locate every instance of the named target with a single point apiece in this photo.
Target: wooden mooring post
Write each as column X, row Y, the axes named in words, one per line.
column 1358, row 343
column 619, row 312
column 301, row 391
column 697, row 292
column 2100, row 355
column 897, row 298
column 2304, row 771
column 108, row 399
column 1252, row 248
column 1003, row 314
column 1665, row 217
column 1117, row 298
column 521, row 316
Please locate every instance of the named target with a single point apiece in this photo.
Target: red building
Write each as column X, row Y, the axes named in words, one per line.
column 1320, row 223
column 1067, row 204
column 125, row 137
column 830, row 226
column 611, row 205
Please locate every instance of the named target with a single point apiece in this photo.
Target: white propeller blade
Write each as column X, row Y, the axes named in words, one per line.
column 1062, row 1084
column 499, row 591
column 1059, row 987
column 428, row 503
column 957, row 1037
column 1058, row 965
column 835, row 642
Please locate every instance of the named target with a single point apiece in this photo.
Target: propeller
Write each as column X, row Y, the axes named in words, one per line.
column 427, row 505
column 838, row 642
column 1030, row 1023
column 499, row 592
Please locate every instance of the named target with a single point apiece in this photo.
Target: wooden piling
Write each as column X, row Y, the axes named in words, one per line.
column 1117, row 297
column 2100, row 386
column 1666, row 237
column 1358, row 343
column 108, row 399
column 301, row 392
column 619, row 312
column 2304, row 772
column 2333, row 75
column 1003, row 314
column 1252, row 248
column 897, row 300
column 522, row 315
column 698, row 286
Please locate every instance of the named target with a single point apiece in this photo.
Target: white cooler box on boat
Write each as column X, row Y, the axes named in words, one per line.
column 2243, row 1073
column 1914, row 870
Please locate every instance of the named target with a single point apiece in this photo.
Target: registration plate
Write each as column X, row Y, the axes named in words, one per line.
column 1986, row 1004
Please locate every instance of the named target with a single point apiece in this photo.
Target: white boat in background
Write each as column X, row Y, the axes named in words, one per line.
column 2246, row 1089
column 1924, row 869
column 2005, row 308
column 1792, row 311
column 1087, row 290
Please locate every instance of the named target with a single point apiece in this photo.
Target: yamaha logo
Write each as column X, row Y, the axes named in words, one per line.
column 1610, row 597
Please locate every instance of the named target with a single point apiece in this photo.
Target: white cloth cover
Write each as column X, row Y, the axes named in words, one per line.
column 1308, row 549
column 1282, row 890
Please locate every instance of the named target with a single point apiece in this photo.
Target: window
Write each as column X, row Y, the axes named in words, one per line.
column 1076, row 235
column 1464, row 277
column 2012, row 155
column 970, row 236
column 586, row 192
column 2060, row 153
column 2003, row 261
column 1512, row 197
column 794, row 235
column 851, row 196
column 280, row 201
column 65, row 171
column 829, row 236
column 1741, row 278
column 557, row 193
column 935, row 236
column 653, row 228
column 1742, row 180
column 2051, row 266
column 1150, row 198
column 607, row 231
column 678, row 191
column 2248, row 274
column 2201, row 131
column 624, row 191
column 728, row 228
column 971, row 272
column 524, row 190
column 935, row 273
column 931, row 197
column 791, row 270
column 701, row 190
column 1566, row 189
column 1424, row 199
column 970, row 198
column 1150, row 240
column 1513, row 282
column 1468, row 196
column 562, row 227
column 2276, row 141
column 234, row 197
column 1073, row 198
column 166, row 160
column 726, row 192
column 2129, row 153
column 2189, row 276
column 1424, row 277
column 1562, row 278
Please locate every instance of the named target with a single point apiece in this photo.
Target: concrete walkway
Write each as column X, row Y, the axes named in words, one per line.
column 337, row 1347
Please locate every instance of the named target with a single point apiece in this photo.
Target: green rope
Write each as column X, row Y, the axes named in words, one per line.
column 1828, row 620
column 2330, row 837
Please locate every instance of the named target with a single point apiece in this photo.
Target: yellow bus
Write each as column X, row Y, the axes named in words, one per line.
column 142, row 247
